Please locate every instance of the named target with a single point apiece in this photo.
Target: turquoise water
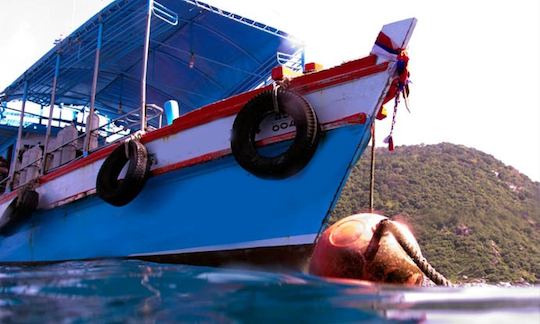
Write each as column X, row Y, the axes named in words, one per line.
column 136, row 291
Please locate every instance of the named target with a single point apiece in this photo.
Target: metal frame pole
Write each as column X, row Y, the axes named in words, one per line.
column 145, row 65
column 15, row 158
column 53, row 99
column 88, row 129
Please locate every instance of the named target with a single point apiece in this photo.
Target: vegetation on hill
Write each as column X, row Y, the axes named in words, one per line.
column 473, row 216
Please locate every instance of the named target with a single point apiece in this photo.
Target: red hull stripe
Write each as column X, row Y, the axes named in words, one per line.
column 77, row 164
column 191, row 162
column 359, row 118
column 311, row 87
column 303, row 84
column 351, row 120
column 8, row 196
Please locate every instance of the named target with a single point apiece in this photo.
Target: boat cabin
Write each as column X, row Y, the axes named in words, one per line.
column 133, row 68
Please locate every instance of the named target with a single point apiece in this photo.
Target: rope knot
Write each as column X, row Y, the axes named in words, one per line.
column 386, row 225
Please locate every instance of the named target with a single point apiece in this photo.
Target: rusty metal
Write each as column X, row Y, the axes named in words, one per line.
column 352, row 248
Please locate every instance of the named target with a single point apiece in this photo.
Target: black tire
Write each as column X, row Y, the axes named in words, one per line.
column 18, row 211
column 120, row 192
column 297, row 156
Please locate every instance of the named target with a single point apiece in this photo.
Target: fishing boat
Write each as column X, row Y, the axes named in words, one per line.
column 177, row 131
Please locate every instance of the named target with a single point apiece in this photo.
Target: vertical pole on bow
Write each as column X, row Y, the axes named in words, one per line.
column 145, row 64
column 51, row 109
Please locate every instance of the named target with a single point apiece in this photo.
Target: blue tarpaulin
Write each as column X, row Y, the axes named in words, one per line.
column 207, row 56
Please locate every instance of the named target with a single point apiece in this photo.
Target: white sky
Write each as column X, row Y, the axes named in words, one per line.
column 474, row 64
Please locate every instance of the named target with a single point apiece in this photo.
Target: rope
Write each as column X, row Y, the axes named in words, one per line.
column 402, row 90
column 275, row 88
column 389, row 139
column 414, row 253
column 372, row 175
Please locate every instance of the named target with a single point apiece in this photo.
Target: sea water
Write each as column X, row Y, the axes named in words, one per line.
column 136, row 291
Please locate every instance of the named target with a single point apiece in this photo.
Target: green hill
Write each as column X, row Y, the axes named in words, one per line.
column 472, row 215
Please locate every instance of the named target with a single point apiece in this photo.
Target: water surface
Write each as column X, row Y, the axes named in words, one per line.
column 136, row 291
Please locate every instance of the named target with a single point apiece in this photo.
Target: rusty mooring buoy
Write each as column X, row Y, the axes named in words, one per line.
column 354, row 248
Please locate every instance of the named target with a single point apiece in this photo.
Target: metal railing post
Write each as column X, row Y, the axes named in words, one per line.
column 15, row 158
column 88, row 129
column 145, row 64
column 49, row 122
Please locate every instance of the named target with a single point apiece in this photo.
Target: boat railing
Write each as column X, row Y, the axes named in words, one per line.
column 38, row 116
column 293, row 61
column 129, row 121
column 165, row 14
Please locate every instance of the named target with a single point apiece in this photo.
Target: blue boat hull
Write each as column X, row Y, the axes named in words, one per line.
column 212, row 207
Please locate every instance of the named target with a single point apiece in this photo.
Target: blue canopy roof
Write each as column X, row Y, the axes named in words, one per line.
column 208, row 55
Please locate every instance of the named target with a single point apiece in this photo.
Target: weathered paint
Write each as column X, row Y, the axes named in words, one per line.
column 212, row 204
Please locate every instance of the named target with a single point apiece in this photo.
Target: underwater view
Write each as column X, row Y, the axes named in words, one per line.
column 137, row 291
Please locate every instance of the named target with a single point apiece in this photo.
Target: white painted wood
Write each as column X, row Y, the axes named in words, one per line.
column 400, row 33
column 68, row 185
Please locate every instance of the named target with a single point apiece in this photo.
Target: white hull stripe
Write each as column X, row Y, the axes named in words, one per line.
column 332, row 104
column 280, row 241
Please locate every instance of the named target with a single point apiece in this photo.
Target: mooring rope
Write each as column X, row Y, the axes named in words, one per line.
column 388, row 225
column 414, row 253
column 372, row 175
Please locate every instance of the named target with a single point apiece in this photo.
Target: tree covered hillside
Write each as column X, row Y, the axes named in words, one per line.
column 472, row 215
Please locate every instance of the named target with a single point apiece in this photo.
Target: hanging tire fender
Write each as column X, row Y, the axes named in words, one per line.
column 299, row 153
column 119, row 192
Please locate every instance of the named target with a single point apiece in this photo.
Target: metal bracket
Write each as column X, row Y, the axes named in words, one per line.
column 135, row 136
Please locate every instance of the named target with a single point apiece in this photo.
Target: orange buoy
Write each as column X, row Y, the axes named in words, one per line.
column 342, row 252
